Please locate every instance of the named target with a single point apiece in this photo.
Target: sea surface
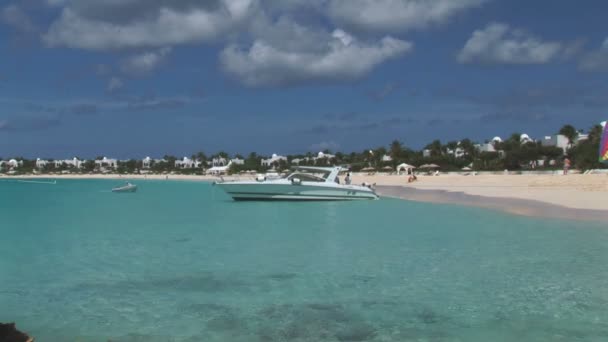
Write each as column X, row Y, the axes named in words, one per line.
column 179, row 261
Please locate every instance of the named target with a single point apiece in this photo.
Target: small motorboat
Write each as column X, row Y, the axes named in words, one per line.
column 126, row 188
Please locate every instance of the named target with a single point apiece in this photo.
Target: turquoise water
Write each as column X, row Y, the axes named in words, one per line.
column 179, row 261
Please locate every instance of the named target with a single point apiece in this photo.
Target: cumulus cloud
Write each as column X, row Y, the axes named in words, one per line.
column 267, row 42
column 396, row 15
column 145, row 62
column 102, row 25
column 343, row 57
column 596, row 60
column 499, row 44
column 15, row 17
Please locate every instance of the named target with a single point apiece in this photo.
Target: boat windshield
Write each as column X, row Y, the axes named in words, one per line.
column 306, row 177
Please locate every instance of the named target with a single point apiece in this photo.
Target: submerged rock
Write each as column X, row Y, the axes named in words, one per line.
column 9, row 333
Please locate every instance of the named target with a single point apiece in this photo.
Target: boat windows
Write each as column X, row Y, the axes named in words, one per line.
column 306, row 177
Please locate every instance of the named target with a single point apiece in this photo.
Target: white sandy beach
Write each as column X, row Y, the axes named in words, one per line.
column 575, row 191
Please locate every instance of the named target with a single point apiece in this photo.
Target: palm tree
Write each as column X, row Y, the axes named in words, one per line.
column 569, row 132
column 396, row 149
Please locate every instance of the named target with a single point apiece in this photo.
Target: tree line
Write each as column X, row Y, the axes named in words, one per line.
column 510, row 154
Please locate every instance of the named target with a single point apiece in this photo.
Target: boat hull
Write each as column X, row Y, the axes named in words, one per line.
column 125, row 189
column 289, row 192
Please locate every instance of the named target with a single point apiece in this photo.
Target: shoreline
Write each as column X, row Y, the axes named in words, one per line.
column 578, row 197
column 510, row 205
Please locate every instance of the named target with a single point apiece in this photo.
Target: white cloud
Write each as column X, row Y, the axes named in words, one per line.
column 13, row 16
column 267, row 42
column 596, row 61
column 145, row 62
column 499, row 44
column 396, row 15
column 103, row 25
column 343, row 58
column 114, row 84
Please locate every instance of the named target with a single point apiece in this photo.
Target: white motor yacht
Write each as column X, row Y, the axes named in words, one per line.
column 305, row 183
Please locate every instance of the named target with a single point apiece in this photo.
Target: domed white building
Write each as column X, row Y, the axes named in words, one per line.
column 524, row 138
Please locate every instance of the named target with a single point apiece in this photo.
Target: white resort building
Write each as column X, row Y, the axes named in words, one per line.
column 188, row 163
column 556, row 140
column 237, row 161
column 41, row 163
column 72, row 163
column 274, row 159
column 324, row 157
column 219, row 161
column 106, row 164
column 524, row 139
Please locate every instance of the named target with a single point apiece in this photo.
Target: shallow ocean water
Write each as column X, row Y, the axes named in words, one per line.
column 179, row 261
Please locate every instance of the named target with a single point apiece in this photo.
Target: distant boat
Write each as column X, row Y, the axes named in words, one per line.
column 126, row 188
column 604, row 146
column 298, row 186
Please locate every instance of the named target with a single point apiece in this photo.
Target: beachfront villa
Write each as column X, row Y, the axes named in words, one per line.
column 524, row 139
column 237, row 161
column 386, row 158
column 426, row 153
column 146, row 163
column 219, row 170
column 458, row 152
column 274, row 159
column 219, row 161
column 72, row 163
column 487, row 147
column 188, row 163
column 297, row 161
column 13, row 163
column 324, row 158
column 106, row 164
column 41, row 163
column 557, row 140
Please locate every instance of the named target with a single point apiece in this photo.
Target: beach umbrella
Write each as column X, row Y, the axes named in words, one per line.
column 429, row 166
column 367, row 169
column 466, row 168
column 388, row 168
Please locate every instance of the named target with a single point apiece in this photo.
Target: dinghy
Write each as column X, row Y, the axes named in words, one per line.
column 126, row 188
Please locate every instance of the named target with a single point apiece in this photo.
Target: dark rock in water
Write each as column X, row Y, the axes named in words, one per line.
column 9, row 333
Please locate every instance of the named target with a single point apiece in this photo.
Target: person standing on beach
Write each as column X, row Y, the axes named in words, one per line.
column 566, row 165
column 347, row 179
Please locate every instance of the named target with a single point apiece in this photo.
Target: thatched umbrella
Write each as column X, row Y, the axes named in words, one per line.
column 367, row 169
column 429, row 166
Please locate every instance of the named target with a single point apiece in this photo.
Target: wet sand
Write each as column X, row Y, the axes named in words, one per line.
column 523, row 207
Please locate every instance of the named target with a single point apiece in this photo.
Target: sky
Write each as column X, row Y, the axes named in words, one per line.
column 135, row 78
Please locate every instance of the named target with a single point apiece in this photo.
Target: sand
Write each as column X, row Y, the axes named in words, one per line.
column 570, row 191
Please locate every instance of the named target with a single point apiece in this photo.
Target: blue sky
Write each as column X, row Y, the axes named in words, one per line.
column 130, row 78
